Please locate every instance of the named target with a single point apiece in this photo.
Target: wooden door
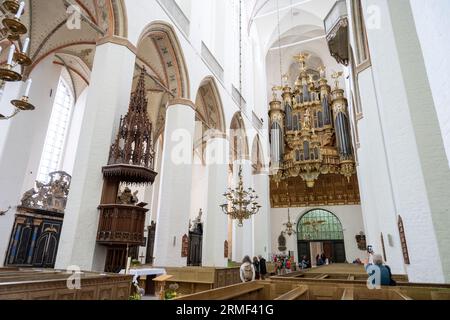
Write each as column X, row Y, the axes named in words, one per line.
column 304, row 250
column 328, row 249
column 150, row 243
column 195, row 249
column 338, row 252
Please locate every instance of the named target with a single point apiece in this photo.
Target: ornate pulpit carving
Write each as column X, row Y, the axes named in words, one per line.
column 122, row 217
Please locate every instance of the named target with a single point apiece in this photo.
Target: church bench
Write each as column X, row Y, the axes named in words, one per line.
column 37, row 285
column 322, row 276
column 244, row 291
column 299, row 293
column 348, row 294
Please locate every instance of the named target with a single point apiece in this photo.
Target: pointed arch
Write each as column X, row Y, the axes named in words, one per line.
column 209, row 105
column 258, row 162
column 160, row 53
column 238, row 139
column 160, row 39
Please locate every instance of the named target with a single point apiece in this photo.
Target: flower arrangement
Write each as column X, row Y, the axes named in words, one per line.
column 172, row 292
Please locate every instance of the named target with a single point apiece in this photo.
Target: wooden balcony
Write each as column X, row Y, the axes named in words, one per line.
column 121, row 225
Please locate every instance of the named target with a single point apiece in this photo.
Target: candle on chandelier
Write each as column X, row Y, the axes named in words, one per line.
column 12, row 49
column 28, row 87
column 25, row 45
column 20, row 11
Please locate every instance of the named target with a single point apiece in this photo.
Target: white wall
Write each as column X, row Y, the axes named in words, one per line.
column 74, row 133
column 22, row 147
column 350, row 217
column 432, row 25
column 414, row 150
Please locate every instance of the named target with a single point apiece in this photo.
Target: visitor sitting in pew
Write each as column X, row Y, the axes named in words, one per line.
column 304, row 264
column 385, row 270
column 319, row 261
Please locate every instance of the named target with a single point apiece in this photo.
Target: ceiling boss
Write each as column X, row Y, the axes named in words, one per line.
column 310, row 129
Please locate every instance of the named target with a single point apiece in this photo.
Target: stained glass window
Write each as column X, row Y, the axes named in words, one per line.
column 319, row 225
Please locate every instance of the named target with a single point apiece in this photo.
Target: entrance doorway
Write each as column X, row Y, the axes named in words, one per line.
column 320, row 232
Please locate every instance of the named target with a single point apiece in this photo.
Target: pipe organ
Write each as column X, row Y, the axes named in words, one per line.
column 311, row 139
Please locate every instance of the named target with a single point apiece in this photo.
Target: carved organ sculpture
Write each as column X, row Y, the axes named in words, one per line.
column 122, row 218
column 38, row 222
column 310, row 132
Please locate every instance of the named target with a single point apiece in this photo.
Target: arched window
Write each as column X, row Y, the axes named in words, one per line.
column 319, row 225
column 57, row 131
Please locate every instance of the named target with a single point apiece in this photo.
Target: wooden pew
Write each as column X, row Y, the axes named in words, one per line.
column 348, row 294
column 299, row 293
column 255, row 290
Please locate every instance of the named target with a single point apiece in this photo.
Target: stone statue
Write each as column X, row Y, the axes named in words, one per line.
column 197, row 225
column 51, row 196
column 126, row 197
column 282, row 242
column 307, row 121
column 27, row 198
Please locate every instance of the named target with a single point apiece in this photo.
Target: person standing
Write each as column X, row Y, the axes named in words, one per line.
column 262, row 267
column 257, row 267
column 247, row 270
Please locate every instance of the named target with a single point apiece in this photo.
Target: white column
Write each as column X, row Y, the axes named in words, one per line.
column 415, row 150
column 108, row 98
column 261, row 226
column 215, row 228
column 172, row 220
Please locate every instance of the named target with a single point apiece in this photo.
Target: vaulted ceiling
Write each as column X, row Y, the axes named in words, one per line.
column 54, row 30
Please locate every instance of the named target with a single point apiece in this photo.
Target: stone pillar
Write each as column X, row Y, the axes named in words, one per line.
column 108, row 98
column 215, row 227
column 261, row 226
column 415, row 150
column 172, row 221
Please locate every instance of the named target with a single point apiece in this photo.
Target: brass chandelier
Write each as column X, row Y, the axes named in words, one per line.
column 289, row 225
column 12, row 29
column 313, row 122
column 241, row 203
